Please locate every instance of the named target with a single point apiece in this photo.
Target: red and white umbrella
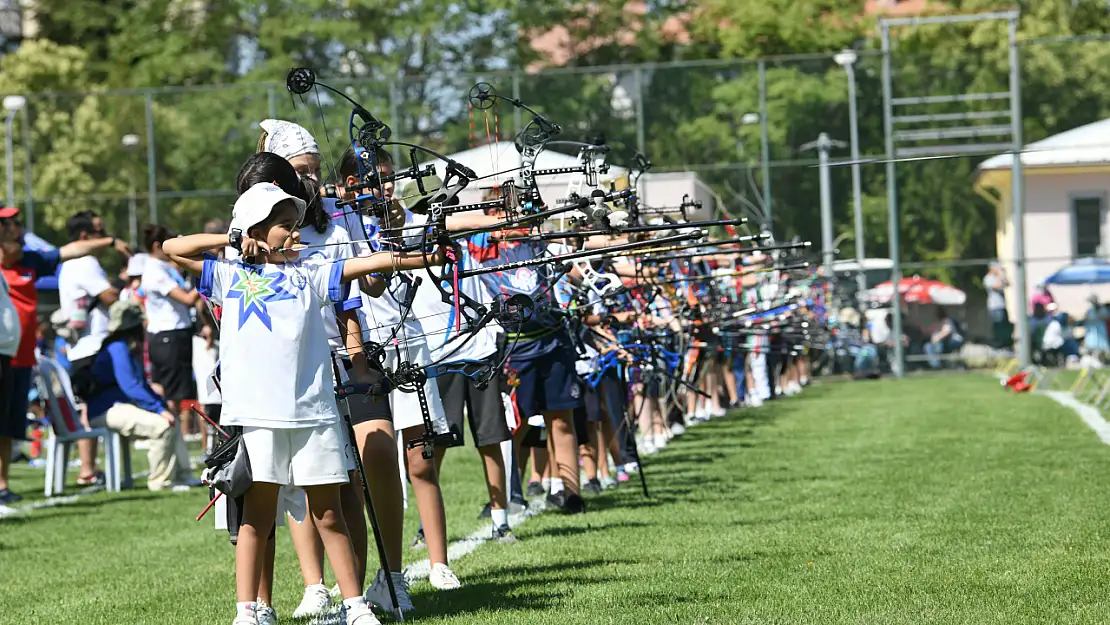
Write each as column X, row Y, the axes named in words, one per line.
column 918, row 290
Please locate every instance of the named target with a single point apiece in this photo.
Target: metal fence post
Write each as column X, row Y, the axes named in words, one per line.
column 518, row 122
column 899, row 365
column 638, row 73
column 1017, row 193
column 271, row 103
column 152, row 177
column 395, row 114
column 27, row 179
column 765, row 147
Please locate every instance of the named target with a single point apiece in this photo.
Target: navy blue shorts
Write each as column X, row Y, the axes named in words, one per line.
column 546, row 383
column 15, row 423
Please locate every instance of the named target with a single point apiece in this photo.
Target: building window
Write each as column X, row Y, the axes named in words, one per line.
column 1086, row 214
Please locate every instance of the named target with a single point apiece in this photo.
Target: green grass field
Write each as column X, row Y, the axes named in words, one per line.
column 933, row 500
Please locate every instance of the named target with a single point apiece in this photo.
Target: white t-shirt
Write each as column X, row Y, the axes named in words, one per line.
column 437, row 319
column 10, row 328
column 163, row 313
column 379, row 316
column 440, row 322
column 334, row 244
column 80, row 281
column 205, row 360
column 275, row 361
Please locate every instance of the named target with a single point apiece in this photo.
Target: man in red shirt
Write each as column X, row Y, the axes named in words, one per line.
column 21, row 268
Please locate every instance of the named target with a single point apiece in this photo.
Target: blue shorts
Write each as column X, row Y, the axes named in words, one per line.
column 546, row 383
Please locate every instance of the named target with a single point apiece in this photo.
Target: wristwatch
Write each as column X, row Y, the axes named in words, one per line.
column 235, row 240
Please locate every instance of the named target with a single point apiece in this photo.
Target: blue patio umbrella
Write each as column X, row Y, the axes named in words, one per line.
column 1082, row 271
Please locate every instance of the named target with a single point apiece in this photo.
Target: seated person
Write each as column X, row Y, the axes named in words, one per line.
column 122, row 401
column 946, row 340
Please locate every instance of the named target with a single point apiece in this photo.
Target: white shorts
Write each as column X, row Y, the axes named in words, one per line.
column 406, row 406
column 297, row 456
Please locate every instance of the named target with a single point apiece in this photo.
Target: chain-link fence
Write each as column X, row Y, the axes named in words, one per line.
column 744, row 127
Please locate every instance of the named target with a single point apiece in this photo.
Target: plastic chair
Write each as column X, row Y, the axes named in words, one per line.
column 66, row 429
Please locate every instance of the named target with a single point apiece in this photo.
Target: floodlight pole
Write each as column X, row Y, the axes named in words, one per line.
column 823, row 145
column 847, row 59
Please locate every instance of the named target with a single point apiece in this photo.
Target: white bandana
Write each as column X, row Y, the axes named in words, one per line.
column 287, row 139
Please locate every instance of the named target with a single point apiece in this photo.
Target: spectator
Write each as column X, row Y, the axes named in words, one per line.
column 1042, row 296
column 133, row 290
column 995, row 282
column 10, row 331
column 946, row 340
column 121, row 400
column 169, row 300
column 83, row 288
column 22, row 267
column 61, row 346
column 1095, row 339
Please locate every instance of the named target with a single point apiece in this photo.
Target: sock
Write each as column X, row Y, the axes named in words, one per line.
column 546, row 483
column 499, row 517
column 246, row 609
column 354, row 603
column 556, row 485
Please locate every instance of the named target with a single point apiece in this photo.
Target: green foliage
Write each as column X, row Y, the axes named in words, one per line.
column 413, row 61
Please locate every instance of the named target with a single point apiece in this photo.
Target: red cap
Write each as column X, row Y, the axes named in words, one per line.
column 8, row 212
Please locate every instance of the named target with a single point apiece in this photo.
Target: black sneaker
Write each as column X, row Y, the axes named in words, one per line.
column 7, row 496
column 592, row 487
column 535, row 489
column 557, row 500
column 570, row 503
column 418, row 541
column 484, row 514
column 504, row 534
column 574, row 504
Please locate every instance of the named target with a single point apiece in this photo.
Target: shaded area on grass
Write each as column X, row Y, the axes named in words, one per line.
column 932, row 500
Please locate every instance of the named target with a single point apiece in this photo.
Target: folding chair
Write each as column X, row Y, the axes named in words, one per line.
column 66, row 429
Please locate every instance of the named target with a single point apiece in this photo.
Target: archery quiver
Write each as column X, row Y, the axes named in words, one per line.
column 229, row 467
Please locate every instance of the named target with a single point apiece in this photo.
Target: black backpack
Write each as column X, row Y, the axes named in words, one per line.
column 81, row 379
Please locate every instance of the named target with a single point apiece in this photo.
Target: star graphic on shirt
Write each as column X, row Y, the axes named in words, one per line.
column 254, row 291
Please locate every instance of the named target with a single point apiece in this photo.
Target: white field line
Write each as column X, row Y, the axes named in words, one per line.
column 65, row 500
column 1090, row 415
column 466, row 546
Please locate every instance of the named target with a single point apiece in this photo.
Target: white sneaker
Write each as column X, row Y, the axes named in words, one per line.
column 754, row 401
column 378, row 592
column 719, row 412
column 316, row 602
column 442, row 578
column 795, row 388
column 265, row 615
column 245, row 620
column 660, row 441
column 362, row 615
column 677, row 429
